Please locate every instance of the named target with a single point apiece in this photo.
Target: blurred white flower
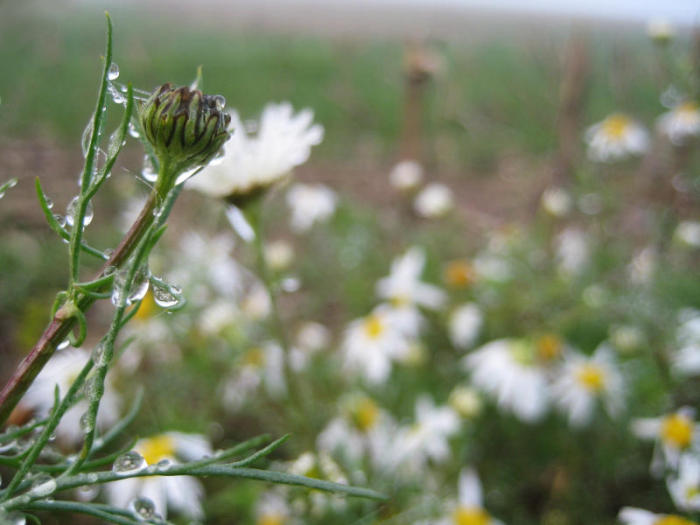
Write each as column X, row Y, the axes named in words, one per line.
column 427, row 438
column 508, row 370
column 684, row 486
column 256, row 303
column 259, row 366
column 371, row 344
column 582, row 381
column 572, row 251
column 688, row 233
column 674, row 433
column 180, row 493
column 403, row 285
column 310, row 203
column 615, row 138
column 434, row 201
column 279, row 254
column 660, row 30
column 626, row 338
column 259, row 158
column 681, row 123
column 686, row 359
column 464, row 325
column 636, row 516
column 642, row 267
column 216, row 317
column 556, row 201
column 465, row 401
column 469, row 507
column 319, row 466
column 62, row 370
column 492, row 267
column 272, row 508
column 406, row 175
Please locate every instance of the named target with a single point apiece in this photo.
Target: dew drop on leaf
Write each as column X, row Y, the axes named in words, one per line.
column 129, row 463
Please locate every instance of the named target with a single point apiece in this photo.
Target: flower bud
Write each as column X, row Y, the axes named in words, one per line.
column 185, row 127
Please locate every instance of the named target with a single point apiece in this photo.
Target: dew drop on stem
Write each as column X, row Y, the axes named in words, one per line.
column 113, row 73
column 144, row 509
column 129, row 463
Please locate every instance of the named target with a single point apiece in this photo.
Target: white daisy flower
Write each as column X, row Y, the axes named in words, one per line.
column 508, row 370
column 660, row 30
column 403, row 285
column 684, row 487
column 688, row 233
column 371, row 344
column 636, row 516
column 585, row 380
column 464, row 325
column 434, row 201
column 259, row 366
column 180, row 493
column 686, row 359
column 256, row 159
column 427, row 438
column 674, row 433
column 469, row 507
column 310, row 203
column 406, row 175
column 556, row 201
column 616, row 138
column 62, row 370
column 681, row 123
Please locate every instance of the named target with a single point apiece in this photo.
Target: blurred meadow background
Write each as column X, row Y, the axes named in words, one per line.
column 490, row 311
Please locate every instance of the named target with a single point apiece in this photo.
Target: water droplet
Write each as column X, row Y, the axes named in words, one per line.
column 164, row 463
column 49, row 203
column 9, row 184
column 115, row 144
column 144, row 509
column 8, row 446
column 113, row 73
column 86, row 423
column 166, row 296
column 148, row 172
column 42, row 485
column 219, row 102
column 72, row 209
column 182, row 178
column 98, row 354
column 88, row 492
column 133, row 131
column 63, row 344
column 139, row 286
column 87, row 135
column 117, row 95
column 129, row 463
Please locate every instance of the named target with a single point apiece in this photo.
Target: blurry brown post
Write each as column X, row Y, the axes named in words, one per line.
column 571, row 96
column 418, row 67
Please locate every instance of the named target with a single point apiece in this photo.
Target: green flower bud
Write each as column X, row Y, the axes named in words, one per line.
column 185, row 128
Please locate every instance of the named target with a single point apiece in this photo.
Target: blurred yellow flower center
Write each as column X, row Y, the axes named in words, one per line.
column 522, row 353
column 459, row 274
column 689, row 107
column 254, row 357
column 271, row 519
column 615, row 126
column 373, row 326
column 591, row 377
column 673, row 520
column 400, row 300
column 677, row 429
column 157, row 448
column 147, row 309
column 548, row 347
column 470, row 516
column 365, row 414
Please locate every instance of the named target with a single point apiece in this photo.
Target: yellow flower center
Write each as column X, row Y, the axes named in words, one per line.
column 689, row 107
column 459, row 274
column 254, row 357
column 365, row 414
column 156, row 448
column 673, row 520
column 677, row 430
column 373, row 326
column 271, row 519
column 548, row 347
column 147, row 309
column 470, row 516
column 615, row 126
column 591, row 377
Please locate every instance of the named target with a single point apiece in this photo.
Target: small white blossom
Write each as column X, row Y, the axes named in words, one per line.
column 469, row 507
column 310, row 203
column 636, row 516
column 688, row 233
column 684, row 486
column 616, row 138
column 434, row 201
column 681, row 123
column 403, row 285
column 406, row 175
column 572, row 251
column 686, row 359
column 464, row 325
column 675, row 434
column 279, row 254
column 660, row 30
column 556, row 201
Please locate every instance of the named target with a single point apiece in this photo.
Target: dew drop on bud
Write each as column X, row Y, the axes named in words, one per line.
column 219, row 102
column 133, row 131
column 87, row 135
column 86, row 423
column 113, row 73
column 49, row 203
column 63, row 344
column 144, row 509
column 72, row 210
column 139, row 286
column 166, row 296
column 148, row 172
column 129, row 463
